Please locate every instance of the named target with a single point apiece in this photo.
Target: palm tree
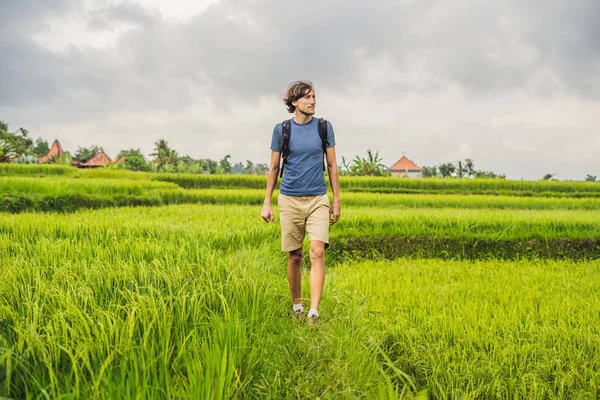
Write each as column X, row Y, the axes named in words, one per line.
column 225, row 164
column 163, row 154
column 469, row 167
column 460, row 169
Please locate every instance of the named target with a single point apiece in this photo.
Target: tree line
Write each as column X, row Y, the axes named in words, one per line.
column 372, row 165
column 164, row 158
column 18, row 147
column 459, row 169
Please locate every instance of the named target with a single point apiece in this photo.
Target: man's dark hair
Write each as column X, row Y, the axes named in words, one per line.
column 295, row 91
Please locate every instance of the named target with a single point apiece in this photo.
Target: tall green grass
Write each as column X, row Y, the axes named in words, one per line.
column 53, row 170
column 382, row 200
column 21, row 194
column 347, row 184
column 437, row 233
column 36, row 170
column 91, row 328
column 466, row 234
column 60, row 194
column 406, row 186
column 479, row 223
column 116, row 305
column 193, row 181
column 469, row 185
column 53, row 186
column 140, row 302
column 483, row 330
column 192, row 302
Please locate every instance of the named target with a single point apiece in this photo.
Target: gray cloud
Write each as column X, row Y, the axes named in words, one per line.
column 130, row 13
column 27, row 71
column 248, row 49
column 20, row 17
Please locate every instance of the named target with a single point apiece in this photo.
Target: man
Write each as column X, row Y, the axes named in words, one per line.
column 303, row 202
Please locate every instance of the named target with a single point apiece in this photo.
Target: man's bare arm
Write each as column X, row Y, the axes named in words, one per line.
column 332, row 170
column 267, row 210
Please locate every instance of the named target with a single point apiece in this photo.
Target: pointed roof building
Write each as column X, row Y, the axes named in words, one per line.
column 405, row 165
column 55, row 151
column 99, row 160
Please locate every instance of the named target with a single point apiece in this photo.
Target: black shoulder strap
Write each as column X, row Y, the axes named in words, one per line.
column 323, row 134
column 286, row 130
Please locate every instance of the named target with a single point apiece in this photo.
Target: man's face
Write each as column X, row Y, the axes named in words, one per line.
column 306, row 104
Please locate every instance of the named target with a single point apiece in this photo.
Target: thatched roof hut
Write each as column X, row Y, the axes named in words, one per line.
column 99, row 160
column 55, row 151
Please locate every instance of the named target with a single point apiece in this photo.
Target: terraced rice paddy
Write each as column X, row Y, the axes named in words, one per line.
column 119, row 285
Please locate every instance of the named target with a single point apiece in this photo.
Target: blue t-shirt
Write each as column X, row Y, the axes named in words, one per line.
column 303, row 173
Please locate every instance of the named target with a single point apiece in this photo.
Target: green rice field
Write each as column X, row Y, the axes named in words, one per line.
column 122, row 285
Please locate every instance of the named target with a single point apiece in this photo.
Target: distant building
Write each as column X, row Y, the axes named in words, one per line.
column 120, row 160
column 99, row 160
column 55, row 151
column 406, row 168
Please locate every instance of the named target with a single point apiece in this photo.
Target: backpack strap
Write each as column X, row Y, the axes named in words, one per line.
column 286, row 130
column 323, row 135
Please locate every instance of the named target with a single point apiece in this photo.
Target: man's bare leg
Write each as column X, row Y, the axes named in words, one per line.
column 317, row 272
column 294, row 273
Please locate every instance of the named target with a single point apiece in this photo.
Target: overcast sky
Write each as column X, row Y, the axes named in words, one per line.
column 512, row 84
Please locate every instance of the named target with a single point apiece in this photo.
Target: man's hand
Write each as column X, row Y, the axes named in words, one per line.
column 334, row 212
column 267, row 213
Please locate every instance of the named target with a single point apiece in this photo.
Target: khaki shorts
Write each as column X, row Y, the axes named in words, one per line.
column 300, row 214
